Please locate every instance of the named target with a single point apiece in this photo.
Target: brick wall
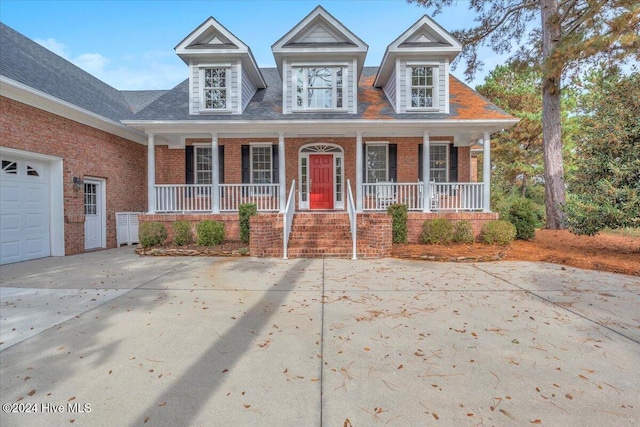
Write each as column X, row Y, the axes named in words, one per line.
column 170, row 166
column 416, row 219
column 266, row 236
column 231, row 223
column 374, row 237
column 85, row 151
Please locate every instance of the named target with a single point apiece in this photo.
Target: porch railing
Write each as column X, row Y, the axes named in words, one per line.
column 287, row 219
column 197, row 197
column 183, row 198
column 455, row 196
column 353, row 223
column 265, row 196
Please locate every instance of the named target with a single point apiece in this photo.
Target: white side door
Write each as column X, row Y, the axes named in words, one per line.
column 94, row 219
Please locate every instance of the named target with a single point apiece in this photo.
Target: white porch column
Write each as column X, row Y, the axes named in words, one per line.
column 215, row 175
column 426, row 172
column 282, row 177
column 151, row 173
column 486, row 172
column 359, row 177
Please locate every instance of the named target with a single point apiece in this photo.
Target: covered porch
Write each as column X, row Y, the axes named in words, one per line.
column 220, row 187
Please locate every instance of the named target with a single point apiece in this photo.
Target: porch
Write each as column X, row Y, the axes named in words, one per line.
column 418, row 197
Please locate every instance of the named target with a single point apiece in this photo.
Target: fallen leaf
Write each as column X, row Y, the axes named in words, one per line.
column 400, row 367
column 146, row 419
column 31, row 393
column 162, row 404
column 435, row 416
column 225, row 370
column 367, row 349
column 246, row 405
column 536, row 421
column 568, row 396
column 71, row 398
column 110, row 372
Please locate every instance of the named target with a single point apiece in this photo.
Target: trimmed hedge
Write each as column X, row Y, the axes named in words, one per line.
column 498, row 232
column 398, row 222
column 152, row 234
column 437, row 231
column 182, row 233
column 210, row 233
column 463, row 232
column 245, row 212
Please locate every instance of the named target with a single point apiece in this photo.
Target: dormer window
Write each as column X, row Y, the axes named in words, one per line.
column 319, row 88
column 214, row 89
column 423, row 88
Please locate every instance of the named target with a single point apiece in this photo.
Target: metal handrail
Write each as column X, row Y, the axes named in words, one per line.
column 287, row 219
column 351, row 209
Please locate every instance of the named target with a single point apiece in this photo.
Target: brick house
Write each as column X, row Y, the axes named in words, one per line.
column 321, row 143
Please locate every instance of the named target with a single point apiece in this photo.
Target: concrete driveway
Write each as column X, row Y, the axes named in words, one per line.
column 109, row 338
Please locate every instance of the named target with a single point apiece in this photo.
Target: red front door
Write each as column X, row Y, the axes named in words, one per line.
column 321, row 184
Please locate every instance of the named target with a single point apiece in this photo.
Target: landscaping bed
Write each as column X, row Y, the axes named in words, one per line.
column 617, row 253
column 230, row 248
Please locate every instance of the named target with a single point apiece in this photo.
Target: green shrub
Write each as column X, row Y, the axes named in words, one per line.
column 210, row 233
column 152, row 234
column 182, row 233
column 245, row 212
column 438, row 231
column 523, row 214
column 463, row 232
column 398, row 222
column 498, row 232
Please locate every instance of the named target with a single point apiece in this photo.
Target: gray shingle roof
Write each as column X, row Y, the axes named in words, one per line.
column 373, row 104
column 139, row 99
column 26, row 62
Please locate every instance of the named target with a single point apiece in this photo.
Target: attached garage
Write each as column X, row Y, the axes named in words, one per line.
column 30, row 215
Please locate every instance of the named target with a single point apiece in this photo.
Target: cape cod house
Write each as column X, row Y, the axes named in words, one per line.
column 321, row 143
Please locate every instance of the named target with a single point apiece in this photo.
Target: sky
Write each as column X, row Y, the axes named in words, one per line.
column 129, row 44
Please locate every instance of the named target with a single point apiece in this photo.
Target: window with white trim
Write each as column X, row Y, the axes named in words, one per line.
column 422, row 86
column 377, row 162
column 215, row 88
column 319, row 88
column 438, row 163
column 261, row 164
column 203, row 165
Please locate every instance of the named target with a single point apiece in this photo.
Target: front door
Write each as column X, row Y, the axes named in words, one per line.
column 321, row 181
column 92, row 215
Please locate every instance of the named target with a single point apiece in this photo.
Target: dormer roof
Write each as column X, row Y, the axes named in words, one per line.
column 212, row 40
column 321, row 35
column 424, row 39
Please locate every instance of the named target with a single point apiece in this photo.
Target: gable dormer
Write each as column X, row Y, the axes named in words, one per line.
column 223, row 74
column 414, row 73
column 320, row 62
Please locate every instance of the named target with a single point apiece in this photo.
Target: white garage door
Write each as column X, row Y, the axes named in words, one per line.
column 24, row 210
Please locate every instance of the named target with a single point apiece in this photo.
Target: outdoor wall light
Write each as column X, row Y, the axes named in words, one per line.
column 77, row 183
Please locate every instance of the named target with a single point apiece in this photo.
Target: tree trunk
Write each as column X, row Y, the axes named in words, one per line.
column 551, row 117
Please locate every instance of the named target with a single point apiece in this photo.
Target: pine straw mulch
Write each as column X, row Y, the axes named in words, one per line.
column 604, row 252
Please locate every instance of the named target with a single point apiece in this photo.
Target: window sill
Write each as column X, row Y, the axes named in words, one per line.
column 423, row 110
column 323, row 110
column 212, row 112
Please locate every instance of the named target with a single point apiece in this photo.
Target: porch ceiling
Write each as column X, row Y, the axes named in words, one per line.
column 464, row 132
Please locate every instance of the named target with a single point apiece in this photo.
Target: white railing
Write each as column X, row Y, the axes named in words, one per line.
column 467, row 196
column 197, row 198
column 265, row 196
column 287, row 219
column 380, row 195
column 443, row 196
column 183, row 198
column 353, row 223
